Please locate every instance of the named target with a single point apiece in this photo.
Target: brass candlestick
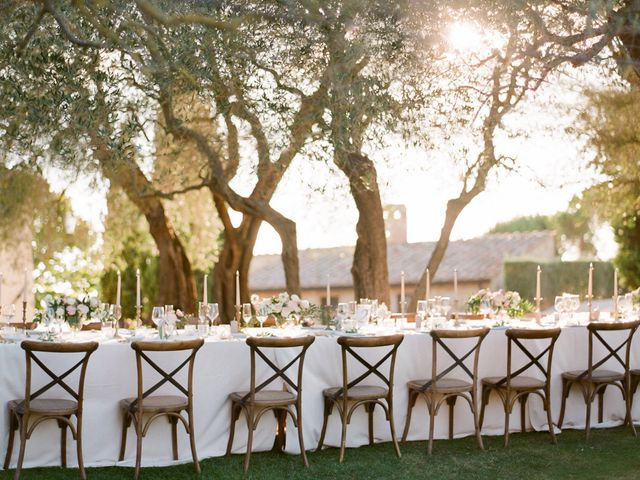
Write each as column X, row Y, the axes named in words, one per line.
column 538, row 301
column 238, row 313
column 615, row 307
column 24, row 314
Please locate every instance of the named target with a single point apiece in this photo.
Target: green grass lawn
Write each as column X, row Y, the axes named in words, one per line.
column 611, row 453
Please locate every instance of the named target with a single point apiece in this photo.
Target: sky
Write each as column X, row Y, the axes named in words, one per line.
column 551, row 169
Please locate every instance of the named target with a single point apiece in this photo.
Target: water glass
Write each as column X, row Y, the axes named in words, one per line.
column 157, row 314
column 246, row 314
column 213, row 313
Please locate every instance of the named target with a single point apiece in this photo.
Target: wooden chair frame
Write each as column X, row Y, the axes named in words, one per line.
column 590, row 386
column 254, row 412
column 435, row 396
column 508, row 393
column 133, row 412
column 341, row 397
column 20, row 412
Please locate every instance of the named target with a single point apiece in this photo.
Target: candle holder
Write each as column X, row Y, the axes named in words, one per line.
column 615, row 307
column 117, row 314
column 590, row 306
column 238, row 313
column 138, row 316
column 24, row 314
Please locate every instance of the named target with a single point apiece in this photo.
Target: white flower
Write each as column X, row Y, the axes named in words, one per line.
column 286, row 311
column 83, row 309
column 283, row 297
column 295, row 298
column 60, row 311
column 93, row 302
column 304, row 304
column 255, row 299
column 69, row 300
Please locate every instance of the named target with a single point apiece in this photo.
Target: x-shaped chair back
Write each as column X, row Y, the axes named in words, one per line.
column 351, row 344
column 520, row 337
column 598, row 330
column 32, row 348
column 143, row 348
column 257, row 344
column 440, row 338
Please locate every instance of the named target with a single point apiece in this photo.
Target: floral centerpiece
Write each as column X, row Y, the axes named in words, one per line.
column 508, row 302
column 74, row 311
column 283, row 306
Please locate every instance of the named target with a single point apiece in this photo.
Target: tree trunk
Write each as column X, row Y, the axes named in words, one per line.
column 176, row 285
column 370, row 270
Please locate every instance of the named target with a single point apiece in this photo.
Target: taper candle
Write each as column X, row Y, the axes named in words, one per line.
column 590, row 286
column 118, row 289
column 538, row 272
column 24, row 288
column 138, row 303
column 237, row 287
column 455, row 283
column 328, row 290
column 1, row 280
column 402, row 293
column 428, row 292
column 204, row 290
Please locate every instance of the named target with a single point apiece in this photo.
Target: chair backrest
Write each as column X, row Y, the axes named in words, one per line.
column 351, row 344
column 142, row 349
column 599, row 331
column 257, row 344
column 33, row 348
column 521, row 337
column 439, row 338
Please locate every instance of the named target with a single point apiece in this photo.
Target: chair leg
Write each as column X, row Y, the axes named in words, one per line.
column 174, row 436
column 63, row 443
column 392, row 427
column 13, row 426
column 139, row 428
column 451, row 402
column 369, row 407
column 235, row 415
column 476, row 424
column 413, row 396
column 601, row 404
column 192, row 442
column 250, row 427
column 432, row 418
column 126, row 423
column 303, row 453
column 566, row 387
column 344, row 414
column 589, row 400
column 23, row 444
column 281, row 439
column 507, row 416
column 484, row 397
column 523, row 419
column 328, row 407
column 547, row 407
column 83, row 474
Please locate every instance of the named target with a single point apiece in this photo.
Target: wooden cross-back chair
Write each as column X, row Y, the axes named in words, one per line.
column 259, row 399
column 516, row 386
column 170, row 406
column 33, row 406
column 367, row 395
column 594, row 380
column 442, row 387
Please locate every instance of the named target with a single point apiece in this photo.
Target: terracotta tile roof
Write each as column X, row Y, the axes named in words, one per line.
column 476, row 259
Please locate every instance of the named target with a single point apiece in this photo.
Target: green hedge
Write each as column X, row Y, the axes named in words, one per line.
column 558, row 277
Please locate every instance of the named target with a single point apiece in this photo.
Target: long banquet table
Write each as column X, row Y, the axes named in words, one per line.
column 222, row 366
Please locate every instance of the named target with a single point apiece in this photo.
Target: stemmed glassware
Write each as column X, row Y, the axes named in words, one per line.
column 625, row 304
column 212, row 313
column 8, row 313
column 246, row 314
column 115, row 311
column 203, row 325
column 560, row 304
column 157, row 315
column 421, row 311
column 445, row 306
column 262, row 312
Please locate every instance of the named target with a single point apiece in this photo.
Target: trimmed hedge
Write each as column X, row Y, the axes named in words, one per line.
column 557, row 277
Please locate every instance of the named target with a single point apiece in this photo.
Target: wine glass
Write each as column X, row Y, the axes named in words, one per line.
column 560, row 305
column 8, row 313
column 116, row 313
column 246, row 314
column 624, row 305
column 351, row 309
column 157, row 314
column 485, row 307
column 213, row 313
column 262, row 312
column 445, row 306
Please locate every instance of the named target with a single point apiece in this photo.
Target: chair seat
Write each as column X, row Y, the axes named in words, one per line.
column 444, row 385
column 635, row 372
column 598, row 376
column 266, row 397
column 359, row 392
column 157, row 403
column 45, row 406
column 517, row 383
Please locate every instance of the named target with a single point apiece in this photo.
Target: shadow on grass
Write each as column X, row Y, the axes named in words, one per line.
column 612, row 453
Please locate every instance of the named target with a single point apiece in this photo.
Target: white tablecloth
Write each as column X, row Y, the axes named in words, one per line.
column 223, row 367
